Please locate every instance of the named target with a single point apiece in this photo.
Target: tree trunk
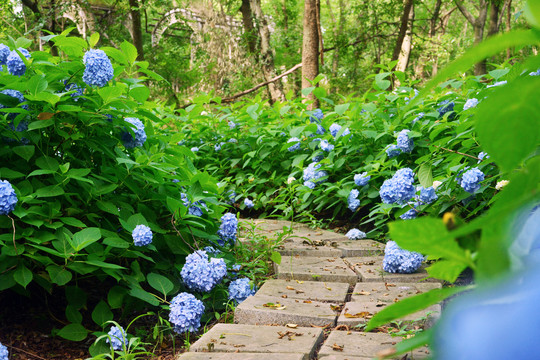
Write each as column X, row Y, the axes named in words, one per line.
column 136, row 34
column 310, row 49
column 419, row 70
column 407, row 5
column 405, row 53
column 267, row 57
column 478, row 24
column 494, row 10
column 508, row 26
column 338, row 32
column 249, row 28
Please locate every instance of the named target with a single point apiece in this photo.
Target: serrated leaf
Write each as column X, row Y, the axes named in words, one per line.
column 85, row 237
column 73, row 332
column 446, row 270
column 130, row 51
column 340, row 109
column 275, row 257
column 160, row 283
column 425, row 175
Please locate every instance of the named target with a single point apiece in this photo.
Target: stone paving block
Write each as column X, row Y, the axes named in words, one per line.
column 274, row 310
column 355, row 248
column 301, row 247
column 305, row 290
column 369, row 269
column 356, row 313
column 325, row 269
column 342, row 357
column 363, row 345
column 318, row 235
column 239, row 356
column 390, row 293
column 232, row 338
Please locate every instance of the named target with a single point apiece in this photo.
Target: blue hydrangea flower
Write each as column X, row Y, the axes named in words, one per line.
column 397, row 260
column 352, row 201
column 405, row 143
column 212, row 250
column 236, row 267
column 233, row 141
column 317, row 116
column 78, row 91
column 296, row 145
column 232, row 124
column 498, row 83
column 496, row 321
column 240, row 289
column 470, row 103
column 399, row 189
column 326, row 146
column 201, row 274
column 186, row 313
column 482, row 156
column 335, row 128
column 98, row 68
column 140, row 135
column 320, row 129
column 4, row 53
column 231, row 194
column 4, row 354
column 249, row 204
column 427, row 196
column 445, row 107
column 117, row 338
column 15, row 64
column 142, row 235
column 317, row 158
column 393, row 151
column 218, row 146
column 8, row 198
column 228, row 228
column 362, row 179
column 20, row 97
column 411, row 214
column 312, row 174
column 471, row 179
column 418, row 117
column 533, row 73
column 194, row 149
column 355, row 234
column 194, row 209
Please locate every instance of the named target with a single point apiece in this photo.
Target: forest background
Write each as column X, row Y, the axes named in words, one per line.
column 226, row 47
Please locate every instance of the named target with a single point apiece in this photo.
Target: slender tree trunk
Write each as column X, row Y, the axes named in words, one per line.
column 267, row 57
column 407, row 5
column 310, row 49
column 405, row 53
column 338, row 32
column 509, row 26
column 136, row 34
column 478, row 24
column 419, row 70
column 249, row 28
column 494, row 10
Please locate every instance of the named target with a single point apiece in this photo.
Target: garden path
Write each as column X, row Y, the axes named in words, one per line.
column 327, row 286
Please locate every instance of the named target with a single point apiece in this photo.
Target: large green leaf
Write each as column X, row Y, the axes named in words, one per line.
column 144, row 295
column 102, row 313
column 73, row 332
column 85, row 237
column 23, row 276
column 160, row 283
column 509, row 114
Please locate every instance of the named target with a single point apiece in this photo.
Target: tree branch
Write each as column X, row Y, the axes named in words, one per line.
column 470, row 18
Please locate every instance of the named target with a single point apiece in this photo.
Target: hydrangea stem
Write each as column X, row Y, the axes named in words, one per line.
column 456, row 152
column 14, row 244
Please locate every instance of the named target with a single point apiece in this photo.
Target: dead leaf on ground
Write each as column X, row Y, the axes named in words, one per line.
column 362, row 315
column 362, row 293
column 386, row 352
column 290, row 288
column 307, row 301
column 337, row 347
column 293, row 326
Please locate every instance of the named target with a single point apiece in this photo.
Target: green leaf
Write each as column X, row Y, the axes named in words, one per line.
column 73, row 332
column 532, row 12
column 102, row 313
column 275, row 257
column 36, row 84
column 252, row 111
column 103, row 264
column 140, row 93
column 59, row 275
column 497, row 74
column 115, row 297
column 73, row 314
column 425, row 176
column 144, row 295
column 23, row 276
column 40, row 124
column 411, row 305
column 510, row 113
column 25, row 152
column 49, row 191
column 85, row 237
column 109, row 93
column 308, row 90
column 160, row 283
column 130, row 51
column 427, row 236
column 340, row 109
column 381, row 82
column 72, row 222
column 446, row 270
column 418, row 340
column 94, row 38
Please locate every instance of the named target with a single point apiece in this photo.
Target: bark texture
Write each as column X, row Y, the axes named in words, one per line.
column 310, row 48
column 406, row 45
column 478, row 24
column 407, row 5
column 136, row 33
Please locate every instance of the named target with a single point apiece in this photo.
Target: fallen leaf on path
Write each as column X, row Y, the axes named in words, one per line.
column 290, row 288
column 337, row 347
column 293, row 326
column 363, row 314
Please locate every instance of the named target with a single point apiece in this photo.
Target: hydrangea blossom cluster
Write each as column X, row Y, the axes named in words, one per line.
column 399, row 189
column 194, row 149
column 227, row 229
column 296, row 145
column 445, row 107
column 335, row 128
column 352, row 201
column 326, row 146
column 397, row 260
column 317, row 116
column 427, row 195
column 78, row 91
column 212, row 250
column 535, row 73
column 232, row 141
column 4, row 53
column 471, row 179
column 231, row 194
column 240, row 289
column 393, row 151
column 470, row 103
column 142, row 235
column 362, row 179
column 98, row 68
column 201, row 274
column 218, row 146
column 232, row 124
column 249, row 204
column 411, row 214
column 4, row 354
column 498, row 83
column 405, row 143
column 355, row 234
column 312, row 173
column 418, row 117
column 317, row 158
column 482, row 156
column 8, row 198
column 320, row 129
column 117, row 337
column 186, row 313
column 140, row 136
column 23, row 125
column 14, row 62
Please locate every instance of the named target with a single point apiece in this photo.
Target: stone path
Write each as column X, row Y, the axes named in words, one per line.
column 327, row 287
